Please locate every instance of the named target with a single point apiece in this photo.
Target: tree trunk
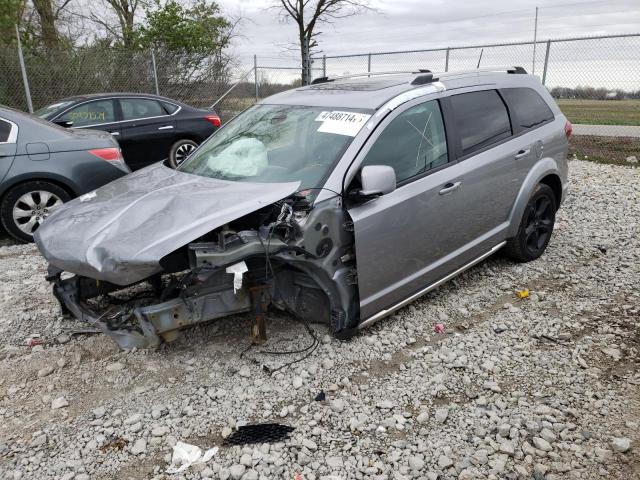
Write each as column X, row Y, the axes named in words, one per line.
column 50, row 37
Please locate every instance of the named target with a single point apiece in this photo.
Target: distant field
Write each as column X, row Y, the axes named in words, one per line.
column 614, row 150
column 601, row 112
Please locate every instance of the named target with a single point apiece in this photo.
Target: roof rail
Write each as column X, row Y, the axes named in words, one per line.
column 424, row 74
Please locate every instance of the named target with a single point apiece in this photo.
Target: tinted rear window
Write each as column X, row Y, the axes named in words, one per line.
column 528, row 106
column 481, row 119
column 5, row 129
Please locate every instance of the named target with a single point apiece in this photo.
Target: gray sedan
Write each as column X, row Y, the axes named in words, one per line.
column 43, row 165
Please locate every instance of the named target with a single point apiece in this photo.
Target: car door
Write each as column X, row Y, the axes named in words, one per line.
column 488, row 153
column 400, row 237
column 147, row 131
column 443, row 214
column 8, row 139
column 97, row 114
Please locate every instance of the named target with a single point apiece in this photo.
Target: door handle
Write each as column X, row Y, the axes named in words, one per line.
column 450, row 187
column 522, row 153
column 115, row 134
column 166, row 127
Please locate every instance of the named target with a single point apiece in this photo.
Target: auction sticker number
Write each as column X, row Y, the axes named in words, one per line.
column 342, row 123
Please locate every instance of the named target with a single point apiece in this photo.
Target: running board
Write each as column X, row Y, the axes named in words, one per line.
column 383, row 313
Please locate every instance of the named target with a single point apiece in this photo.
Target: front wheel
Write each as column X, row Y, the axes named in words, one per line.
column 180, row 151
column 535, row 227
column 25, row 206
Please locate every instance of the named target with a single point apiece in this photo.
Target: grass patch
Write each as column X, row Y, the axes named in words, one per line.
column 612, row 150
column 601, row 112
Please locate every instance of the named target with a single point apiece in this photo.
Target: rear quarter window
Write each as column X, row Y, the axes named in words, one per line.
column 481, row 119
column 5, row 130
column 528, row 108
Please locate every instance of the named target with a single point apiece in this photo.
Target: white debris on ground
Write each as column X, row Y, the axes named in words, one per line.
column 544, row 387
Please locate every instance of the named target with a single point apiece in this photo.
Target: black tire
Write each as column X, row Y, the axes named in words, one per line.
column 536, row 226
column 16, row 227
column 180, row 150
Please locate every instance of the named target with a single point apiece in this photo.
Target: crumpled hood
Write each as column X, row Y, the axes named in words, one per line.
column 120, row 232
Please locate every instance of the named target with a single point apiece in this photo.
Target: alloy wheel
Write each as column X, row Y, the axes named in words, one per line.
column 539, row 224
column 32, row 208
column 183, row 151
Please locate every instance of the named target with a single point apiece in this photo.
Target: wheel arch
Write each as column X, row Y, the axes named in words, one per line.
column 545, row 171
column 21, row 180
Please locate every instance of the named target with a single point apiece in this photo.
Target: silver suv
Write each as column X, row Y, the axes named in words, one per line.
column 339, row 202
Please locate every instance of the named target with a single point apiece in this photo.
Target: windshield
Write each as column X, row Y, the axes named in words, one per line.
column 49, row 110
column 278, row 143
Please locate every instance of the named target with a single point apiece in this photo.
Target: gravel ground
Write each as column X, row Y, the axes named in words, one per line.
column 542, row 387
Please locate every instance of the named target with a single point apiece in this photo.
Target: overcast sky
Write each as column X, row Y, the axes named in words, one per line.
column 415, row 24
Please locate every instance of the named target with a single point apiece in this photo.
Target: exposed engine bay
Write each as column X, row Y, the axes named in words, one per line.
column 291, row 255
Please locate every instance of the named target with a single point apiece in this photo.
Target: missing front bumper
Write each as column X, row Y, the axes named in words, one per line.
column 146, row 326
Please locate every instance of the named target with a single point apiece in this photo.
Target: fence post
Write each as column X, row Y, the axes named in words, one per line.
column 546, row 63
column 255, row 74
column 324, row 65
column 369, row 63
column 155, row 71
column 446, row 60
column 25, row 80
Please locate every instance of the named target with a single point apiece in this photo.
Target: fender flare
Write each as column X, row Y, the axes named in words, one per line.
column 544, row 167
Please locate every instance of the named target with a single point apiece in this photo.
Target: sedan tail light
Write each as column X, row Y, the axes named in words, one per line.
column 568, row 129
column 111, row 155
column 215, row 119
column 108, row 154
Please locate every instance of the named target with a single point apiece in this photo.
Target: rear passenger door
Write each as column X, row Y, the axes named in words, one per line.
column 147, row 131
column 487, row 156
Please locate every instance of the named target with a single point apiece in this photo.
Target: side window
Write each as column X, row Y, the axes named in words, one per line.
column 170, row 107
column 133, row 108
column 413, row 143
column 528, row 107
column 90, row 113
column 5, row 130
column 481, row 118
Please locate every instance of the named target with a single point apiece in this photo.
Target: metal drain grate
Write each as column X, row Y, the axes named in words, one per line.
column 259, row 433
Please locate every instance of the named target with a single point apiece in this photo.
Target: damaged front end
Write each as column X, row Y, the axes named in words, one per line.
column 292, row 255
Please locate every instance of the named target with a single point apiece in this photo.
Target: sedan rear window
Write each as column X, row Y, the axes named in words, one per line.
column 278, row 143
column 528, row 106
column 133, row 108
column 481, row 119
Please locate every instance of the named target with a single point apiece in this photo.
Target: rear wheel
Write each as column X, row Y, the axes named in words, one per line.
column 180, row 151
column 25, row 206
column 535, row 227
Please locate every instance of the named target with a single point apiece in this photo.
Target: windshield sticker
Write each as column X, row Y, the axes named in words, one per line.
column 342, row 123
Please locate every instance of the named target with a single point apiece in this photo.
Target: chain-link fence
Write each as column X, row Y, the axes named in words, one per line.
column 199, row 80
column 595, row 80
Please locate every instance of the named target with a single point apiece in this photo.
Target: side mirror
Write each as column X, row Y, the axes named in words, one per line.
column 377, row 180
column 64, row 123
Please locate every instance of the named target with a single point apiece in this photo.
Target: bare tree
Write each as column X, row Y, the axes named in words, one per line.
column 125, row 11
column 48, row 12
column 308, row 14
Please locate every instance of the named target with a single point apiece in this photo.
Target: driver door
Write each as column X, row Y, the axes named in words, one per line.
column 404, row 238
